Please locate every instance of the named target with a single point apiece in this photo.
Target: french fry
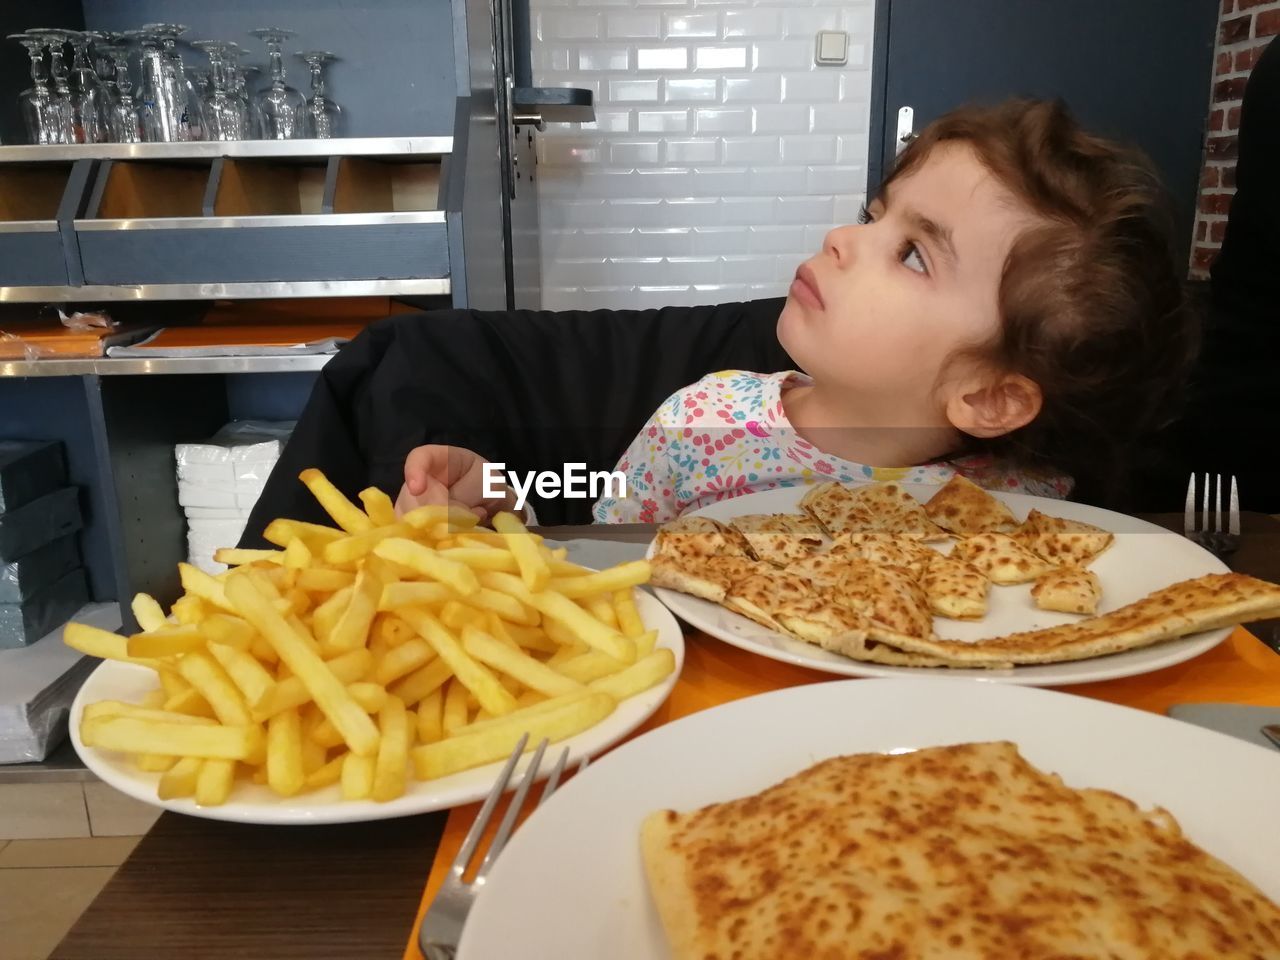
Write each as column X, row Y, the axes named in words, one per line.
column 482, row 558
column 357, row 777
column 297, row 555
column 180, row 779
column 392, row 766
column 102, row 644
column 624, row 575
column 454, row 714
column 351, row 631
column 455, row 615
column 534, row 570
column 167, row 641
column 322, row 580
column 284, row 753
column 189, row 609
column 370, row 696
column 328, row 774
column 344, row 513
column 117, row 708
column 584, row 626
column 530, row 638
column 414, row 594
column 213, row 782
column 378, row 506
column 282, row 532
column 147, row 612
column 154, row 762
column 429, row 563
column 422, row 682
column 424, row 518
column 645, row 643
column 313, row 757
column 326, row 616
column 325, row 735
column 469, row 750
column 392, row 629
column 212, row 682
column 505, row 606
column 589, row 666
column 430, row 717
column 474, row 676
column 358, row 545
column 328, row 692
column 517, row 664
column 155, row 699
column 624, row 607
column 403, row 660
column 237, row 557
column 600, row 607
column 249, row 676
column 646, row 672
column 129, row 735
column 197, row 583
column 189, row 703
column 228, row 631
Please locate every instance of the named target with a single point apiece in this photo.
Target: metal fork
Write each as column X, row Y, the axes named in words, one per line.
column 441, row 928
column 1215, row 539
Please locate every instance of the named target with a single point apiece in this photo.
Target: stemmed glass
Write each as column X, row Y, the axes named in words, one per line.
column 226, row 114
column 122, row 116
column 325, row 115
column 56, row 40
column 45, row 120
column 281, row 110
column 180, row 92
column 89, row 99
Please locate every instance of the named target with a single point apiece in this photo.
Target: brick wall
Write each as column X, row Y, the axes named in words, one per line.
column 1244, row 29
column 721, row 154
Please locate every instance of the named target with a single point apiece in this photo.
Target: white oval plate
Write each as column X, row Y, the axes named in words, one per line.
column 1143, row 558
column 571, row 886
column 253, row 803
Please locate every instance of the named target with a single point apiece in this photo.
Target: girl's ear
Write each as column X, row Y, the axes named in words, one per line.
column 992, row 409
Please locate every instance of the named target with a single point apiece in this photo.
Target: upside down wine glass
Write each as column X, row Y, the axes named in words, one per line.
column 45, row 121
column 55, row 41
column 226, row 115
column 325, row 115
column 280, row 109
column 89, row 99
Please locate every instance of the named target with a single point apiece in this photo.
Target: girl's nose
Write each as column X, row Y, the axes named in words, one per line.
column 839, row 242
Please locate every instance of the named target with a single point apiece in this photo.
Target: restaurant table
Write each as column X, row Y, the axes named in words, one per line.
column 208, row 890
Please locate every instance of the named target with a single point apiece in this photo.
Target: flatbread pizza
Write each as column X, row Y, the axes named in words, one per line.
column 1001, row 558
column 1062, row 541
column 963, row 508
column 1068, row 590
column 779, row 538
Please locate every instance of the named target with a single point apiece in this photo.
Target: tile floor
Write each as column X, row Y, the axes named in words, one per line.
column 59, row 845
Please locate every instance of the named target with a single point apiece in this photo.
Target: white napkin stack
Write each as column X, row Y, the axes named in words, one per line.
column 221, row 479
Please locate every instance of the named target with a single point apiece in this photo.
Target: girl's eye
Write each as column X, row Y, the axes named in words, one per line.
column 912, row 260
column 864, row 215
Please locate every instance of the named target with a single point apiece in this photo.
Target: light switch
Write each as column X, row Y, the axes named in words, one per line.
column 833, row 47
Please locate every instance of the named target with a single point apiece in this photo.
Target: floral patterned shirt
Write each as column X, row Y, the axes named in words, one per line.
column 728, row 435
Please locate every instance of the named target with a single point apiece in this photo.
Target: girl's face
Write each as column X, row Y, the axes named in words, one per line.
column 875, row 315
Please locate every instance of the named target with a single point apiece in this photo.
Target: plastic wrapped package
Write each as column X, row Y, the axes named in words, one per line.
column 205, row 537
column 28, row 469
column 21, row 578
column 38, row 684
column 240, row 496
column 26, row 622
column 44, row 519
column 248, row 447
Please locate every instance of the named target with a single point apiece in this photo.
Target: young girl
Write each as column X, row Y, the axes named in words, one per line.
column 1008, row 307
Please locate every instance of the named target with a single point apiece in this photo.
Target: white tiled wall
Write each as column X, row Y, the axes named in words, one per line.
column 721, row 153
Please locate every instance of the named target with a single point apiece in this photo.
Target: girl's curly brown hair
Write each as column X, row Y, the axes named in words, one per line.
column 1092, row 306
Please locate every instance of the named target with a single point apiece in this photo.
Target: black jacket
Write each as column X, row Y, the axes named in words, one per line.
column 534, row 389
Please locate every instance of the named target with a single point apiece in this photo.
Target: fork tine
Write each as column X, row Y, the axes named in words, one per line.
column 513, row 810
column 553, row 781
column 482, row 818
column 1204, row 510
column 1217, row 509
column 1189, row 512
column 1233, row 521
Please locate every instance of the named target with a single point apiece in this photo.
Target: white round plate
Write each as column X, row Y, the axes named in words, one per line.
column 1143, row 558
column 571, row 886
column 253, row 803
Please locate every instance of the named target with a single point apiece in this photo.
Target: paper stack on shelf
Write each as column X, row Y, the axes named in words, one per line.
column 38, row 684
column 41, row 580
column 221, row 479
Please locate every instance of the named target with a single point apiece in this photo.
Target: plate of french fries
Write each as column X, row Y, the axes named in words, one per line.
column 379, row 667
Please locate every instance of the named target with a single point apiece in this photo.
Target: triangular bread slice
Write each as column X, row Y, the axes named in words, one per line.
column 884, row 507
column 1069, row 543
column 1000, row 558
column 885, row 549
column 780, row 538
column 1068, row 590
column 708, row 578
column 955, row 589
column 690, row 536
column 964, row 508
column 1191, row 606
column 891, row 597
column 762, row 594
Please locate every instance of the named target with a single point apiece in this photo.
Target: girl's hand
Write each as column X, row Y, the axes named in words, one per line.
column 437, row 474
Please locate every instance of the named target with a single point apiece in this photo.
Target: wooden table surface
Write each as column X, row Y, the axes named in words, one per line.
column 208, row 890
